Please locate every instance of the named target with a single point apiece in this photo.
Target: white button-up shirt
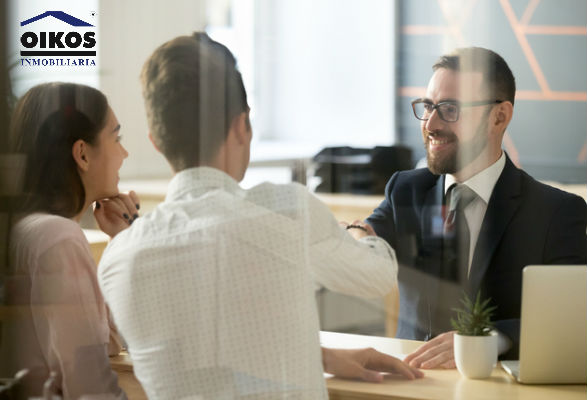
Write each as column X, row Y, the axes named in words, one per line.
column 214, row 290
column 482, row 184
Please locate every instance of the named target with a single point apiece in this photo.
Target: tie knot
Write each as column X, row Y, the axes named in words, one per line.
column 460, row 196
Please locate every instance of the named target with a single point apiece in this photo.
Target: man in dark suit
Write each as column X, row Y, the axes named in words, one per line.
column 471, row 221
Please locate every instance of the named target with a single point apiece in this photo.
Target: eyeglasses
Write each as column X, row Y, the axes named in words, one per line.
column 448, row 111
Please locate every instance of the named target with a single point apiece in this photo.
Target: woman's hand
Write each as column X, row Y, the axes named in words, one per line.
column 117, row 213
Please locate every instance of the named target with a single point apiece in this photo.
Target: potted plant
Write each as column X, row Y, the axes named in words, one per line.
column 475, row 344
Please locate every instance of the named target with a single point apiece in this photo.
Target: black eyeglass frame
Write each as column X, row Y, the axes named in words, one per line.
column 453, row 102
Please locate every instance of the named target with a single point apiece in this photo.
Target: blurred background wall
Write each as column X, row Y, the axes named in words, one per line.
column 331, row 73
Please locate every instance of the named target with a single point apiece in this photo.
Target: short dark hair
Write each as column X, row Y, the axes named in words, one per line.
column 498, row 77
column 47, row 121
column 192, row 90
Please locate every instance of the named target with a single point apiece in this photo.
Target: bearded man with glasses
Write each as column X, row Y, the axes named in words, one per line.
column 471, row 221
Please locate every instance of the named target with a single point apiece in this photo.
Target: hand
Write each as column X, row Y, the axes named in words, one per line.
column 116, row 213
column 436, row 353
column 365, row 364
column 358, row 233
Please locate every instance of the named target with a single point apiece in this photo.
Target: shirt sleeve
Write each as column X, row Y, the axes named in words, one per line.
column 71, row 320
column 115, row 342
column 365, row 267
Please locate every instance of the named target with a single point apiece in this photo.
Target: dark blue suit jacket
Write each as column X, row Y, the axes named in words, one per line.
column 526, row 223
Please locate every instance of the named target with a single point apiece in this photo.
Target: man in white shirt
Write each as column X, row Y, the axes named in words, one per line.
column 508, row 220
column 214, row 290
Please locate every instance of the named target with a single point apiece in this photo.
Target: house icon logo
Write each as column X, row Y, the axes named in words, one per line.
column 77, row 39
column 68, row 19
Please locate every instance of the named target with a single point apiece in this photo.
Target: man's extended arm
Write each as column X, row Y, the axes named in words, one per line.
column 366, row 267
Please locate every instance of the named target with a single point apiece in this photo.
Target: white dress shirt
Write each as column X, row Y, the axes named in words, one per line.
column 482, row 184
column 214, row 290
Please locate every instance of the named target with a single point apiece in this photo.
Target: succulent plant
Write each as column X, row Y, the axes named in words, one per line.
column 474, row 318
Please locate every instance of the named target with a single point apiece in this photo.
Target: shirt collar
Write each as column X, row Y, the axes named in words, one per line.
column 483, row 182
column 199, row 180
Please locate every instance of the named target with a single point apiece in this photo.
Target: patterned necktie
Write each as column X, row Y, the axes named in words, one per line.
column 456, row 233
column 459, row 197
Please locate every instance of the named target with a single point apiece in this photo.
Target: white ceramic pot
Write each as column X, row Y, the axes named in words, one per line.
column 475, row 356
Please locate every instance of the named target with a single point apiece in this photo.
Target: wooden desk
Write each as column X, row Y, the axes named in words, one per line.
column 345, row 207
column 436, row 385
column 122, row 365
column 98, row 241
column 348, row 207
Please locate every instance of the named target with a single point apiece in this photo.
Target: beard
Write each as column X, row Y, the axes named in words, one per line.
column 461, row 155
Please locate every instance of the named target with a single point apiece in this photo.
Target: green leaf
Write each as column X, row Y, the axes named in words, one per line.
column 474, row 318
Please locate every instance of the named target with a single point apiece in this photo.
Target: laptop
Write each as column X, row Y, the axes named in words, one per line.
column 553, row 333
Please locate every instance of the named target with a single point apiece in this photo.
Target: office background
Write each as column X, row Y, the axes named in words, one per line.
column 342, row 72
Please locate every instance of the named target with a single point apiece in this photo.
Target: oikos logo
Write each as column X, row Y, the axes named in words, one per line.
column 44, row 36
column 72, row 40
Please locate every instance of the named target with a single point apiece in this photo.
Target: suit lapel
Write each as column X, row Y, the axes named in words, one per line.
column 503, row 203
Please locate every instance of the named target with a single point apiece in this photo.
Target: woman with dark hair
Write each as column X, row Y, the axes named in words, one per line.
column 70, row 138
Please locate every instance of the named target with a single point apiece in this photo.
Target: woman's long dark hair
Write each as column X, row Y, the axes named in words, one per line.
column 47, row 121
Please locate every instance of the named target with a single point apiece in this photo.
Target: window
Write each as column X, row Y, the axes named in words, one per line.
column 317, row 73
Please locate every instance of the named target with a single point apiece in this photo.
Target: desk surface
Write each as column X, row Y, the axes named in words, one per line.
column 437, row 384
